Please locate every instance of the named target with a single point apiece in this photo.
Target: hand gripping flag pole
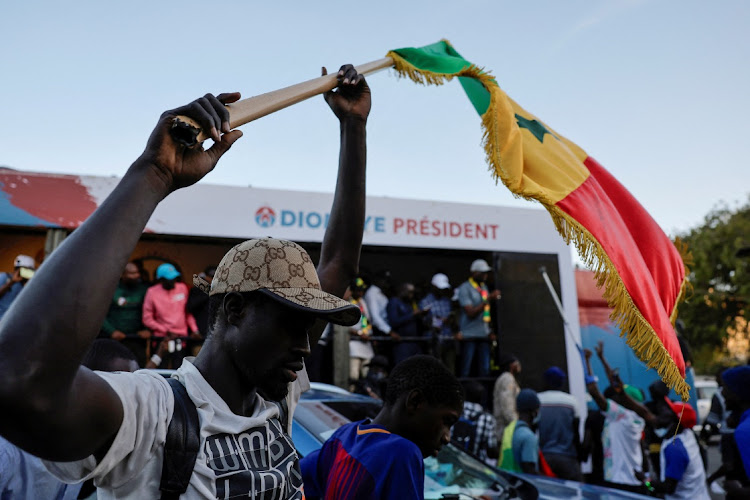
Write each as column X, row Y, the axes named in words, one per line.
column 188, row 132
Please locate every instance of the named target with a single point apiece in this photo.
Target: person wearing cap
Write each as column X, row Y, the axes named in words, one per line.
column 505, row 391
column 519, row 449
column 559, row 436
column 438, row 302
column 360, row 347
column 623, row 427
column 124, row 320
column 165, row 314
column 268, row 305
column 12, row 284
column 736, row 458
column 475, row 321
column 682, row 473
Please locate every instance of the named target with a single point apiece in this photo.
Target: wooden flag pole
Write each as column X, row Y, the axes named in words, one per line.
column 187, row 131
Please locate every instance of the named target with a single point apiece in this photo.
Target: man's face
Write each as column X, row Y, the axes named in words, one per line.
column 130, row 275
column 515, row 367
column 407, row 292
column 269, row 346
column 431, row 427
column 479, row 277
column 168, row 284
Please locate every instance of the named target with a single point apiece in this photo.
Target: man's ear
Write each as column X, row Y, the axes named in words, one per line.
column 415, row 400
column 233, row 307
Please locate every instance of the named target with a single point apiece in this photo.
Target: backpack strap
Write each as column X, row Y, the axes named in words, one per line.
column 283, row 414
column 182, row 444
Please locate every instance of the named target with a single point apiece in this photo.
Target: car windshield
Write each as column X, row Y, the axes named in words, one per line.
column 706, row 392
column 452, row 472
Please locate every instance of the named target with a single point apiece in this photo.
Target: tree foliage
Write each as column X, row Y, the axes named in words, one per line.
column 719, row 275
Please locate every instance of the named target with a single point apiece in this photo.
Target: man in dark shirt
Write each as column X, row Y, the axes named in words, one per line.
column 124, row 321
column 406, row 318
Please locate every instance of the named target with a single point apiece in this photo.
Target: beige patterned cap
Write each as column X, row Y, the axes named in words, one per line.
column 283, row 271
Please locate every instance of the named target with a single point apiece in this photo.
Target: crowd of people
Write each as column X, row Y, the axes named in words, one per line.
column 647, row 448
column 221, row 427
column 157, row 321
column 402, row 320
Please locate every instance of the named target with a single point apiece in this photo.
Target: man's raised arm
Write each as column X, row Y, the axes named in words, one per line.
column 52, row 406
column 339, row 254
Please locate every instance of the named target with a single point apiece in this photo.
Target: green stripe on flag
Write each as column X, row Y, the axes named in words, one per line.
column 442, row 59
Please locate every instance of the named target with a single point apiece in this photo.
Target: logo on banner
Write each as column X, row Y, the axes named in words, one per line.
column 265, row 216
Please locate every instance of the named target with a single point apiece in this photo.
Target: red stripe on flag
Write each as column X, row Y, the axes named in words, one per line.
column 647, row 262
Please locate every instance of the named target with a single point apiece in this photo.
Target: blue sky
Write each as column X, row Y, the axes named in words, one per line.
column 657, row 91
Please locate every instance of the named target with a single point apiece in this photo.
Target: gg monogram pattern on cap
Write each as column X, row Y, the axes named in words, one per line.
column 282, row 268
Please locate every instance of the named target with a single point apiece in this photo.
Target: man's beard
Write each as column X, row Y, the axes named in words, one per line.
column 273, row 389
column 271, row 384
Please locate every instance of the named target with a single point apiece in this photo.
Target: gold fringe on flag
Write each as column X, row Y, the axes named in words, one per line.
column 638, row 333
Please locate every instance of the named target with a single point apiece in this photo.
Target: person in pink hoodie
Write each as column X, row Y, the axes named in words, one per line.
column 165, row 314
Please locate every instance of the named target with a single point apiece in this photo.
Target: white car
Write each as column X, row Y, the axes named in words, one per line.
column 705, row 388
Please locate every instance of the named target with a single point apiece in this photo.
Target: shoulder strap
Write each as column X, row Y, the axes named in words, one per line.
column 182, row 444
column 283, row 414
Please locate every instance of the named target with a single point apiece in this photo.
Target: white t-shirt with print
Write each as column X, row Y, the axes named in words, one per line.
column 621, row 440
column 251, row 457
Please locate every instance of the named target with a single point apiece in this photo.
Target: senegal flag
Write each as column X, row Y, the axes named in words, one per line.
column 640, row 268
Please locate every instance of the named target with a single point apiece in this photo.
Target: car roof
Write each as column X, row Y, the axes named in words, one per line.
column 327, row 392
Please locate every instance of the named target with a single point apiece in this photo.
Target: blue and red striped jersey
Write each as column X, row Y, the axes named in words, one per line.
column 364, row 461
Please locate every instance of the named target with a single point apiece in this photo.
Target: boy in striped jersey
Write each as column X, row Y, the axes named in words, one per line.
column 383, row 458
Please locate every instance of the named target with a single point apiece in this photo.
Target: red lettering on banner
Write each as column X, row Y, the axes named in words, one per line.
column 445, row 229
column 424, row 225
column 436, row 227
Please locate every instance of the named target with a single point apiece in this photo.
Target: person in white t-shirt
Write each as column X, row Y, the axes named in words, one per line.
column 623, row 430
column 267, row 305
column 683, row 476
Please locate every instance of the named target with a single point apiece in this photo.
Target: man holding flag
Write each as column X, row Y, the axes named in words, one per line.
column 265, row 299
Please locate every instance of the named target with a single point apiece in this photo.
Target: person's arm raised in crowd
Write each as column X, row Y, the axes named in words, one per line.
column 631, row 404
column 591, row 384
column 339, row 254
column 600, row 352
column 52, row 406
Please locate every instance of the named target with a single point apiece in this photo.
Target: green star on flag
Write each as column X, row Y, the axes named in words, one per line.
column 537, row 129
